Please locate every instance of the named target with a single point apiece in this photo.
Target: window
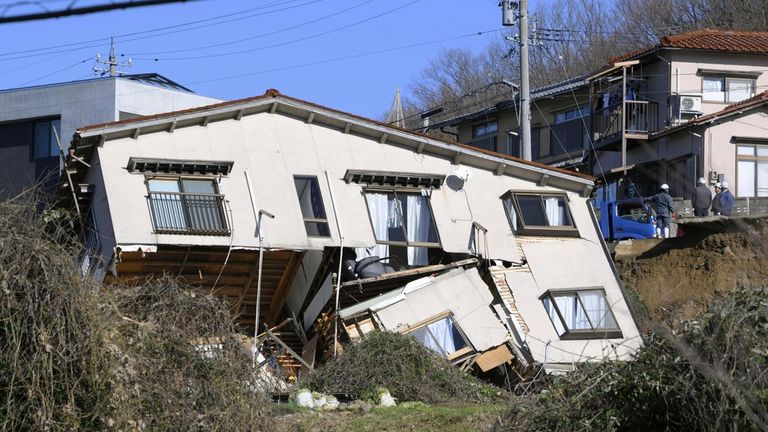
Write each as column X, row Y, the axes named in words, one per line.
column 752, row 170
column 582, row 314
column 442, row 336
column 539, row 214
column 727, row 89
column 485, row 136
column 403, row 225
column 311, row 203
column 186, row 206
column 572, row 114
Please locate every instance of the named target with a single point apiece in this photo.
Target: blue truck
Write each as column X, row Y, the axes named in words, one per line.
column 625, row 219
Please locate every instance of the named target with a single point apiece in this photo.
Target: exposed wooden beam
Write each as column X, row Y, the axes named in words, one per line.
column 273, row 108
column 383, row 138
column 347, row 127
column 311, row 118
column 172, row 127
column 457, row 158
column 239, row 115
column 420, row 148
column 136, row 133
column 205, row 121
column 102, row 139
column 543, row 180
column 184, row 262
column 278, row 300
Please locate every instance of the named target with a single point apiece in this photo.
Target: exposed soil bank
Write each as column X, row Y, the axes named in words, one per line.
column 678, row 277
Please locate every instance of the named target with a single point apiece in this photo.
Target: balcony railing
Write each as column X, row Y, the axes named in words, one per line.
column 187, row 213
column 641, row 119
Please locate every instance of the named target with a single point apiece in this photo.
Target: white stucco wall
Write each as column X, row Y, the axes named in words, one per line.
column 464, row 295
column 575, row 264
column 273, row 148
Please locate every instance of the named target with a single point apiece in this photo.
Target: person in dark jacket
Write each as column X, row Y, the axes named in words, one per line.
column 665, row 210
column 726, row 200
column 716, row 207
column 702, row 198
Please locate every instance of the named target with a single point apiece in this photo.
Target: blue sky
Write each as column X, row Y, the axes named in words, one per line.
column 346, row 54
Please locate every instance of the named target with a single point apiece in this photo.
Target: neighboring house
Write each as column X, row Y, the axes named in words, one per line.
column 28, row 147
column 694, row 106
column 473, row 252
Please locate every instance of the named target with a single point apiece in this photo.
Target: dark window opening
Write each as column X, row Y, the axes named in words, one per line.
column 312, row 208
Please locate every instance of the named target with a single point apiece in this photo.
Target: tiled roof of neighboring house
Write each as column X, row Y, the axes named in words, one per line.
column 737, row 108
column 272, row 93
column 707, row 39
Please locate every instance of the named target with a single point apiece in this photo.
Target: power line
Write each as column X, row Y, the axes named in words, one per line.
column 271, row 33
column 70, row 11
column 89, row 43
column 296, row 66
column 313, row 36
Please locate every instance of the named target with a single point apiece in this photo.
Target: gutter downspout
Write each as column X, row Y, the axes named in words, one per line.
column 338, row 272
column 257, row 214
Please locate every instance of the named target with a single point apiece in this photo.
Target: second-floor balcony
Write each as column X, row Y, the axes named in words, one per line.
column 641, row 118
column 188, row 213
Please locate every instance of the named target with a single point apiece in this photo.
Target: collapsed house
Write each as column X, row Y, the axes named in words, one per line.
column 320, row 226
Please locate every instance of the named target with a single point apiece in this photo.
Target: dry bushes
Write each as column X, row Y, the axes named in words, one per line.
column 398, row 363
column 73, row 358
column 711, row 374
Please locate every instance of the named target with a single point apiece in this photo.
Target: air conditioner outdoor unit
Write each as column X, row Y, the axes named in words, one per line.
column 688, row 104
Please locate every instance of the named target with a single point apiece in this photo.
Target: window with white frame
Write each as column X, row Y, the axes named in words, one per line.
column 312, row 208
column 752, row 170
column 539, row 214
column 716, row 88
column 403, row 224
column 443, row 336
column 581, row 314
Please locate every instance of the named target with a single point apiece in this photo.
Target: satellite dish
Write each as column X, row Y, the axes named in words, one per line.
column 463, row 173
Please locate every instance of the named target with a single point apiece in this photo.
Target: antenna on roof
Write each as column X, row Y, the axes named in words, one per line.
column 111, row 62
column 395, row 116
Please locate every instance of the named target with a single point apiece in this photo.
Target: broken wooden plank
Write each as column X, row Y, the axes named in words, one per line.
column 413, row 271
column 494, row 357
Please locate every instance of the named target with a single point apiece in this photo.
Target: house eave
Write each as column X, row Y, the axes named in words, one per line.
column 90, row 137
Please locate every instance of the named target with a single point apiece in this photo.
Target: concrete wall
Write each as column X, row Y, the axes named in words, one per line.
column 78, row 104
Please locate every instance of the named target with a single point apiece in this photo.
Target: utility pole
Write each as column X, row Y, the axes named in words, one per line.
column 507, row 8
column 111, row 62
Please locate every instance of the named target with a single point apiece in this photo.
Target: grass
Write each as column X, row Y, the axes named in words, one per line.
column 408, row 417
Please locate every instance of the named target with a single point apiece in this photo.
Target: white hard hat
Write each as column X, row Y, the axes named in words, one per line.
column 665, row 186
column 702, row 180
column 717, row 185
column 724, row 185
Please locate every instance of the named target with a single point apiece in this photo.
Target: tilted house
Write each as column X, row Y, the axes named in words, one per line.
column 469, row 251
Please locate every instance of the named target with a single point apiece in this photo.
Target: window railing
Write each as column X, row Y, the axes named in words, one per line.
column 188, row 213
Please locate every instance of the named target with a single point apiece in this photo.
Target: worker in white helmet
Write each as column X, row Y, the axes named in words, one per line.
column 726, row 200
column 665, row 210
column 716, row 207
column 702, row 198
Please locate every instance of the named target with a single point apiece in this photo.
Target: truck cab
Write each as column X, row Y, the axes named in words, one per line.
column 625, row 219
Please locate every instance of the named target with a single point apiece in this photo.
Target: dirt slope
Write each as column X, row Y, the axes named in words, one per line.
column 678, row 277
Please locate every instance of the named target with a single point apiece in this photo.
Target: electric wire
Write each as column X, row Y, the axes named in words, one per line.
column 284, row 43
